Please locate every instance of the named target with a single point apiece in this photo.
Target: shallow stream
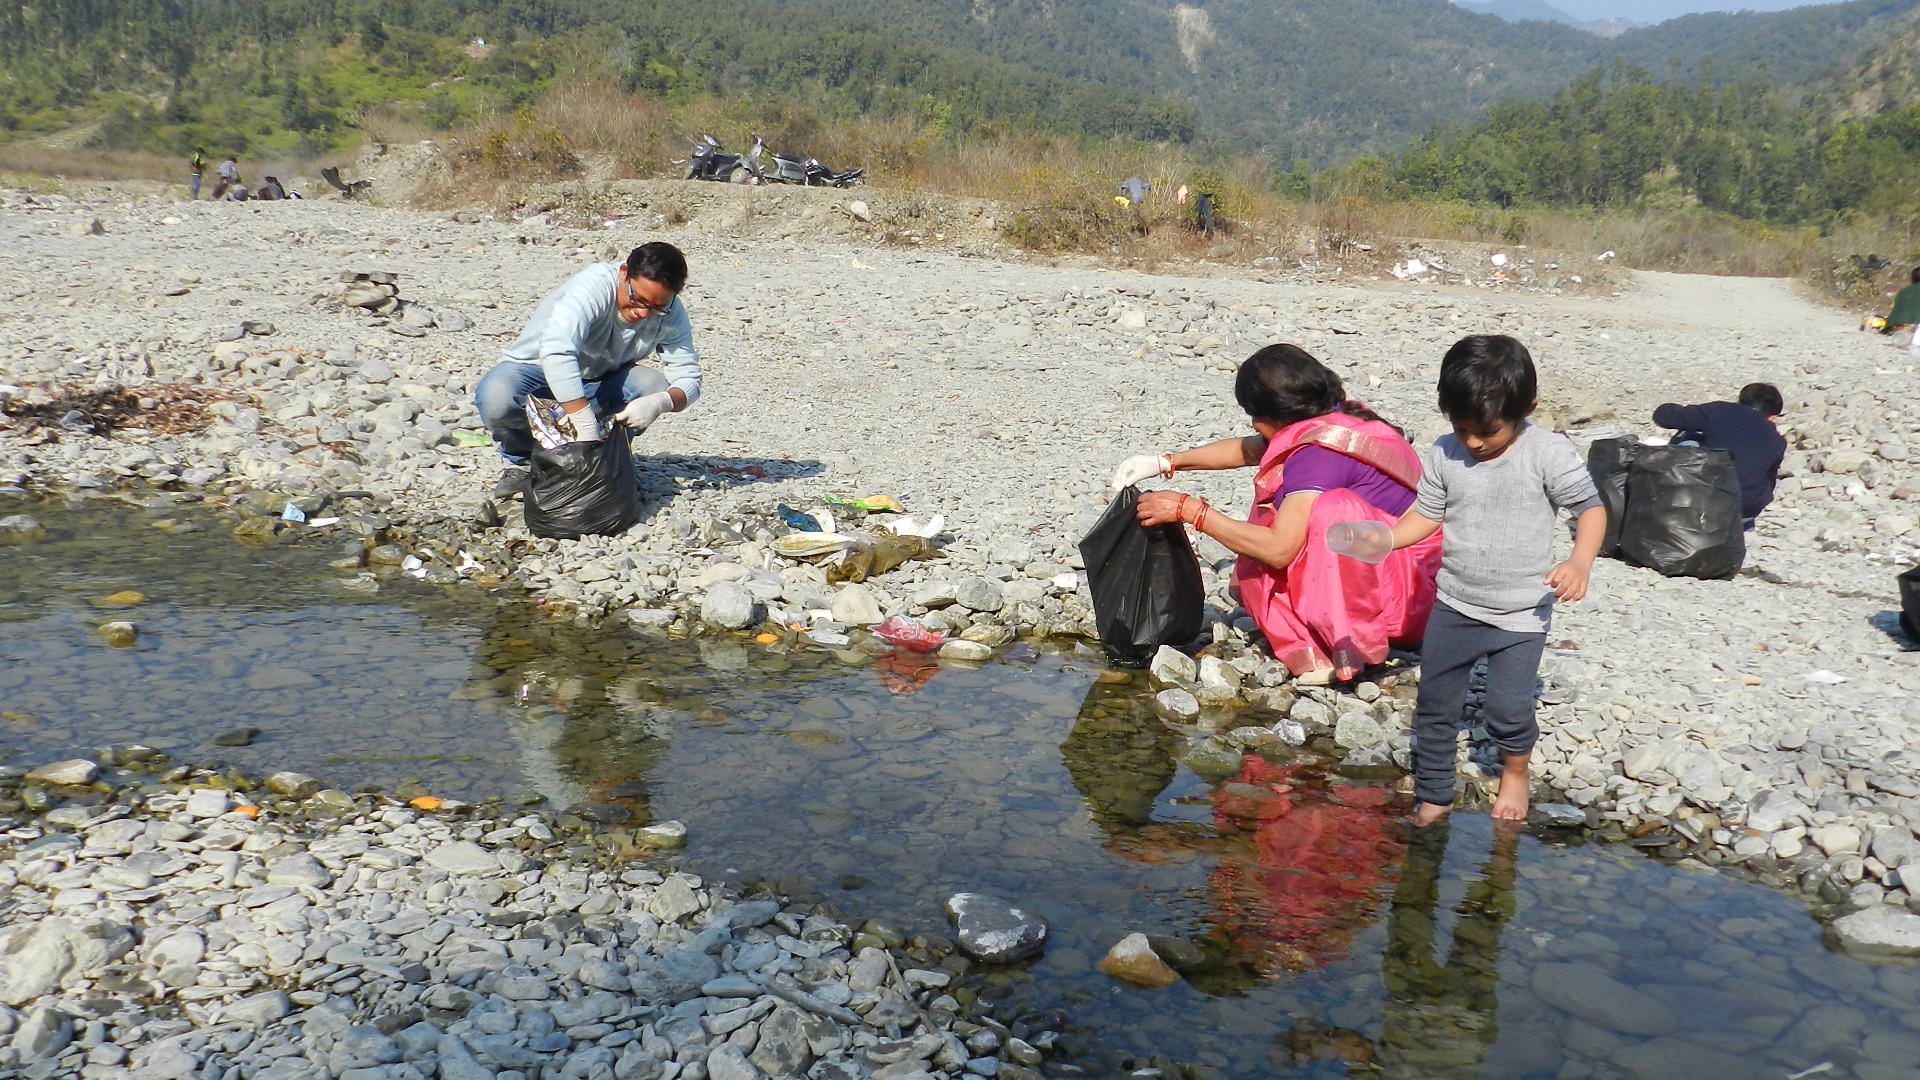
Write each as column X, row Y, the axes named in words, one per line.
column 1324, row 939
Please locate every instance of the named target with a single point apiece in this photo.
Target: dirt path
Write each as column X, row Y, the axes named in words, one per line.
column 1707, row 301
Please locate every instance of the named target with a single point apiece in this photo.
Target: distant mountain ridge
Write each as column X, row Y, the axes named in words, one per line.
column 1523, row 10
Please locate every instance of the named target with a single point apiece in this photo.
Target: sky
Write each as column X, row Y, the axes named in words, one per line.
column 1653, row 11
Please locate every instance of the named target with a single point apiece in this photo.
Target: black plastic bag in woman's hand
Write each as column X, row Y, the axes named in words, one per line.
column 1145, row 582
column 583, row 488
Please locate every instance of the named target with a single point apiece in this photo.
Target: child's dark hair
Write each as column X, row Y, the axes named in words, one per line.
column 1284, row 384
column 1763, row 398
column 1487, row 377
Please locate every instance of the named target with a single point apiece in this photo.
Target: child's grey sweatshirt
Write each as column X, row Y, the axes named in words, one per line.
column 1499, row 521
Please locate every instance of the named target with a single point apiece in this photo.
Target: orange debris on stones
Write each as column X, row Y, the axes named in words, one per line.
column 425, row 802
column 766, row 639
column 248, row 809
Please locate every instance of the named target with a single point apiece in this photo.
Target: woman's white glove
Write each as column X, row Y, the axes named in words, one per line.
column 1140, row 467
column 641, row 412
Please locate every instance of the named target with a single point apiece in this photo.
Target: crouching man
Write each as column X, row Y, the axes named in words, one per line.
column 583, row 348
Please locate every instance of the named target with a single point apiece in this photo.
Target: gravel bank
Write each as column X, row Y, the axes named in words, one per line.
column 1767, row 720
column 194, row 924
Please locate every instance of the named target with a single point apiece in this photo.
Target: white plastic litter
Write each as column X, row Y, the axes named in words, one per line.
column 1499, row 258
column 323, row 522
column 1066, row 582
column 1410, row 268
column 1825, row 677
column 913, row 527
column 1605, row 255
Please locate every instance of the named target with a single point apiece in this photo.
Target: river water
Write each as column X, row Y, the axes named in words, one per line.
column 1321, row 937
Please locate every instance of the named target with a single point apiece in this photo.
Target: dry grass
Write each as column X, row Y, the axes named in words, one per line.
column 90, row 164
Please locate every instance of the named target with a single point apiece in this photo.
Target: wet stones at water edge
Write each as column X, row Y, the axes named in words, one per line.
column 993, row 930
column 362, row 937
column 1133, row 960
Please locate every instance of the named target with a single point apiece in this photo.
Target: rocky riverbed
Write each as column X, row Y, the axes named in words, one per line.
column 198, row 923
column 1766, row 720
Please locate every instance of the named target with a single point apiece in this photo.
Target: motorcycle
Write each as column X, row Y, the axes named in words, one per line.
column 783, row 168
column 818, row 175
column 709, row 162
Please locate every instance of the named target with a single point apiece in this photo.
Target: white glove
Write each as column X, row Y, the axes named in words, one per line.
column 641, row 412
column 1140, row 467
column 586, row 424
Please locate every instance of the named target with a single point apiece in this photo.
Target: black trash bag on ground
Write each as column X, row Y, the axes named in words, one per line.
column 1910, row 603
column 1145, row 582
column 1609, row 461
column 1683, row 513
column 583, row 488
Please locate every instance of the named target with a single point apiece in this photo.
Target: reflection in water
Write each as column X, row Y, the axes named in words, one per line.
column 904, row 671
column 589, row 724
column 1298, row 864
column 1439, row 1019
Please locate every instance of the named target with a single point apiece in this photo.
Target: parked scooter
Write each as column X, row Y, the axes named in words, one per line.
column 708, row 161
column 818, row 175
column 782, row 169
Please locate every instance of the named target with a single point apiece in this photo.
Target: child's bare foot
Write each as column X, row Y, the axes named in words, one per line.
column 1512, row 801
column 1427, row 813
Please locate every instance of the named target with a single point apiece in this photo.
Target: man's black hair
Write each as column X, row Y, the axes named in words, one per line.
column 1487, row 377
column 1915, row 276
column 661, row 262
column 1763, row 398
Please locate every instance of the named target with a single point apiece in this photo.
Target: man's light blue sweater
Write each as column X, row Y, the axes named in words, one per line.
column 576, row 335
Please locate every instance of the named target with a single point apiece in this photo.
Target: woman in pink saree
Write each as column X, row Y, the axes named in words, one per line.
column 1321, row 459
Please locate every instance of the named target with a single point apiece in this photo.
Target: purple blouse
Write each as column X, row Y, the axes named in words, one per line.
column 1316, row 468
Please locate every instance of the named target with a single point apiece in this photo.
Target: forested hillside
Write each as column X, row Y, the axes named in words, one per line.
column 1318, row 80
column 1843, row 147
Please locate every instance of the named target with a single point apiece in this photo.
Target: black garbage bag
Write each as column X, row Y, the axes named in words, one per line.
column 1145, row 582
column 1910, row 603
column 583, row 488
column 1683, row 513
column 1610, row 461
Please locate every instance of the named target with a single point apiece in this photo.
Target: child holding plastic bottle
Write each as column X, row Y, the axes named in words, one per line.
column 1496, row 484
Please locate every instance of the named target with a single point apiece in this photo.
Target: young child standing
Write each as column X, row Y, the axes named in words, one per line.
column 1495, row 484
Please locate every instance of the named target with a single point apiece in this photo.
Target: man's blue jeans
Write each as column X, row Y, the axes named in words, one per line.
column 501, row 398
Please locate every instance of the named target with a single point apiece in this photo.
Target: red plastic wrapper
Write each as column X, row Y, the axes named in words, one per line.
column 909, row 634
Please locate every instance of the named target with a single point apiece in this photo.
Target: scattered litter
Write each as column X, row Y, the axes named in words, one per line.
column 1410, row 268
column 914, row 527
column 1066, row 582
column 832, row 639
column 322, row 522
column 1498, row 258
column 872, row 504
column 1825, row 677
column 545, row 417
column 291, row 512
column 1605, row 255
column 467, row 563
column 426, row 802
column 1825, row 1066
column 908, row 633
column 803, row 521
column 767, row 638
column 470, row 439
column 809, row 545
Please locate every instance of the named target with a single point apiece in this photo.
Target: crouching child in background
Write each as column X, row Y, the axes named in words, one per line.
column 1745, row 431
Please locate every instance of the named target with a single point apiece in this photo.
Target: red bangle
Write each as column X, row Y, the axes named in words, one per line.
column 1200, row 519
column 1180, row 511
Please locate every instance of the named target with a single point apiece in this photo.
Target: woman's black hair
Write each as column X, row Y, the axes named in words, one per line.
column 1487, row 377
column 1284, row 384
column 659, row 261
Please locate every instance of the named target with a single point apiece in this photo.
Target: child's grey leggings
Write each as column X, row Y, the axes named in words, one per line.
column 1447, row 655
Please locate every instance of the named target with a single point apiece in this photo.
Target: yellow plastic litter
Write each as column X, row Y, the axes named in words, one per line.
column 872, row 504
column 766, row 639
column 470, row 438
column 425, row 802
column 248, row 809
column 123, row 598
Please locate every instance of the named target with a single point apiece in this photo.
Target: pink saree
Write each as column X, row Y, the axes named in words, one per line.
column 1322, row 610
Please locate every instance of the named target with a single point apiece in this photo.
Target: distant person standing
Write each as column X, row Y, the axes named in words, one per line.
column 227, row 176
column 1135, row 188
column 198, row 165
column 1744, row 430
column 1906, row 312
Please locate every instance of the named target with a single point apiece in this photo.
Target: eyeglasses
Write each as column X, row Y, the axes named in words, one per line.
column 641, row 301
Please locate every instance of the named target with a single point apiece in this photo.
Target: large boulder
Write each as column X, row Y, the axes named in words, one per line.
column 993, row 930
